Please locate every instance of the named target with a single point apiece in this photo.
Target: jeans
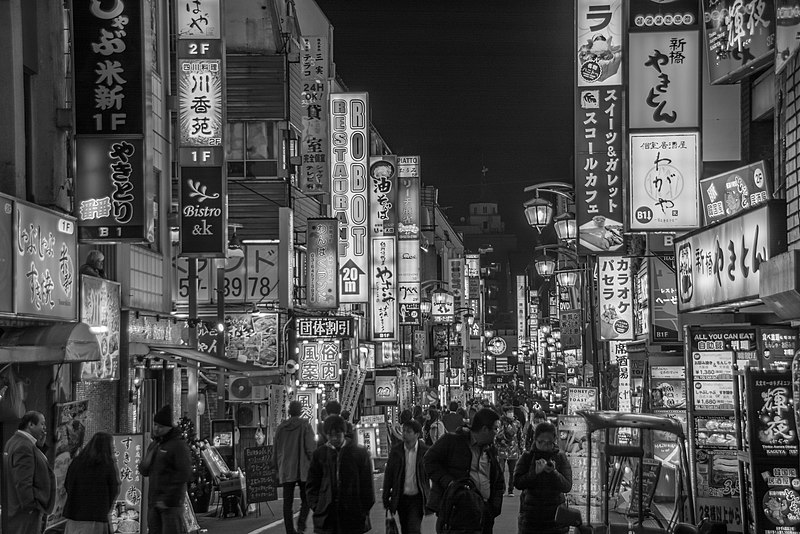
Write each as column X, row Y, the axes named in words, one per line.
column 487, row 520
column 409, row 513
column 165, row 520
column 512, row 463
column 288, row 498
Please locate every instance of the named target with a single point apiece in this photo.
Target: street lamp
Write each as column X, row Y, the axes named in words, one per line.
column 545, row 265
column 539, row 211
column 566, row 228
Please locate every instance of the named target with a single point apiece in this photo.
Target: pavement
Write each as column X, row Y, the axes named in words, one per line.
column 270, row 520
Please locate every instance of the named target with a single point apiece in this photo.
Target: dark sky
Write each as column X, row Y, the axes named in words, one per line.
column 465, row 84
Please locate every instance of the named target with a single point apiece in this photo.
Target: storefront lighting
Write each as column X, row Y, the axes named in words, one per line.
column 488, row 334
column 336, row 385
column 220, row 327
column 97, row 330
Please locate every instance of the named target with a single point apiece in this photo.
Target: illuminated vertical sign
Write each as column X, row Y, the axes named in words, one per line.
column 321, row 272
column 383, row 273
column 664, row 181
column 455, row 275
column 111, row 203
column 522, row 310
column 408, row 251
column 615, row 298
column 349, row 120
column 201, row 125
column 599, row 42
column 382, row 196
column 314, row 173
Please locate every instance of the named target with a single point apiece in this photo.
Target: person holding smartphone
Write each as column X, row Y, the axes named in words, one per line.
column 544, row 475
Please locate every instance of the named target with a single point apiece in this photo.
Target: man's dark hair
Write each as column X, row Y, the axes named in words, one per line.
column 295, row 408
column 334, row 423
column 28, row 418
column 485, row 417
column 414, row 425
column 333, row 407
column 417, row 410
column 545, row 427
column 453, row 406
column 433, row 414
column 405, row 415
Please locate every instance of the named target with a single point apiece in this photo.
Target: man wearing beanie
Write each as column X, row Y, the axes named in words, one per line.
column 294, row 445
column 168, row 463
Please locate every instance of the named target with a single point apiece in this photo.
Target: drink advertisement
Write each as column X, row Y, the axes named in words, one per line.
column 713, row 395
column 772, row 426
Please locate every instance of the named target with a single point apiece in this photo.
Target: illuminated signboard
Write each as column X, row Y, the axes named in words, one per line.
column 408, row 200
column 252, row 277
column 382, row 195
column 203, row 220
column 45, row 253
column 664, row 175
column 408, row 232
column 599, row 42
column 324, row 327
column 615, row 298
column 314, row 172
column 198, row 19
column 349, row 119
column 200, row 102
column 319, row 362
column 321, row 264
column 385, row 387
column 664, row 79
column 384, row 288
column 787, row 31
column 721, row 264
column 100, row 308
column 728, row 194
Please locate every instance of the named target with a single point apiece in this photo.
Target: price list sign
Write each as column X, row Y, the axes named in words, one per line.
column 261, row 476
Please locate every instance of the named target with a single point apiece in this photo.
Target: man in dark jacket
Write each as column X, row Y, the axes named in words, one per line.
column 30, row 482
column 294, row 445
column 405, row 485
column 339, row 486
column 168, row 463
column 468, row 452
column 452, row 419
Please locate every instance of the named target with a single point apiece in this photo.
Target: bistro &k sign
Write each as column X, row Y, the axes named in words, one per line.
column 721, row 264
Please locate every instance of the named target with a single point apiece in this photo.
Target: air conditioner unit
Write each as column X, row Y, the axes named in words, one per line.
column 243, row 390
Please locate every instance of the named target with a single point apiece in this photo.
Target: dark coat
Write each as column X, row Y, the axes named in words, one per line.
column 168, row 463
column 541, row 493
column 339, row 489
column 91, row 491
column 395, row 476
column 294, row 445
column 30, row 482
column 450, row 459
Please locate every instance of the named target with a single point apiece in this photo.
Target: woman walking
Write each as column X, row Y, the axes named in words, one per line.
column 544, row 476
column 92, row 485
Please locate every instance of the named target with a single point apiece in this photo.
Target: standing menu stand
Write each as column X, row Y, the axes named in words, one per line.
column 231, row 488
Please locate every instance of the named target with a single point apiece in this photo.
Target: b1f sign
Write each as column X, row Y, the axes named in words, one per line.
column 349, row 120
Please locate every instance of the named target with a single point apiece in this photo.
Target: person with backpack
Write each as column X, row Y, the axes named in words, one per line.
column 405, row 485
column 467, row 481
column 435, row 427
column 544, row 476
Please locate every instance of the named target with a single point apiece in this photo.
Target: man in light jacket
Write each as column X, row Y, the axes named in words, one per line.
column 30, row 482
column 294, row 445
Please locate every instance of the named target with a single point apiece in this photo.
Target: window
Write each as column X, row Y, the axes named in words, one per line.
column 251, row 149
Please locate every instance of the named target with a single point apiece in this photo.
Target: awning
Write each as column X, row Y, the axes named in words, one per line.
column 57, row 343
column 184, row 354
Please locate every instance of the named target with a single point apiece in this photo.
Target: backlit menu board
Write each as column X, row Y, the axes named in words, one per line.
column 772, row 427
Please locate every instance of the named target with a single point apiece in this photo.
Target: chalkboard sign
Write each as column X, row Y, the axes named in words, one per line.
column 651, row 469
column 261, row 476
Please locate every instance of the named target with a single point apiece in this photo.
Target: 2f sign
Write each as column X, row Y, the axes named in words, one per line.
column 199, row 49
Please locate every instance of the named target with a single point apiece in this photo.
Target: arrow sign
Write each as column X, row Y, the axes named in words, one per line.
column 350, row 278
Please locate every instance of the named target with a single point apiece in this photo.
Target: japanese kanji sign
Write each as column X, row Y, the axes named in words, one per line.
column 408, row 225
column 349, row 131
column 108, row 57
column 598, row 168
column 129, row 452
column 664, row 181
column 322, row 264
column 319, row 362
column 615, row 298
column 200, row 84
column 722, row 264
column 663, row 300
column 664, row 80
column 726, row 195
column 383, row 275
column 740, row 36
column 324, row 327
column 382, row 196
column 314, row 171
column 198, row 19
column 599, row 42
column 100, row 307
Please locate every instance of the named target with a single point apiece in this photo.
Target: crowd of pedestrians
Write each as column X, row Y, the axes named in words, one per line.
column 457, row 463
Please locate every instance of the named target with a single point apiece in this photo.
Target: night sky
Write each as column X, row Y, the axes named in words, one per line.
column 466, row 85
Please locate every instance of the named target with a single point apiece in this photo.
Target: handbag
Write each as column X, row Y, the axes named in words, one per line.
column 391, row 523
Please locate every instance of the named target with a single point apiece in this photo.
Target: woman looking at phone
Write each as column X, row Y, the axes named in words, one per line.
column 544, row 475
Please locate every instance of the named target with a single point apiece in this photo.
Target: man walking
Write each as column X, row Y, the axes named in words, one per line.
column 30, row 482
column 168, row 463
column 452, row 419
column 405, row 485
column 294, row 446
column 339, row 486
column 468, row 452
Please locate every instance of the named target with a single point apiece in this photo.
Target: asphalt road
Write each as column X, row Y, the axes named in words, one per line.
column 271, row 519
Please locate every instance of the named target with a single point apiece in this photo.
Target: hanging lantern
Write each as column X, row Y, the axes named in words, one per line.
column 566, row 228
column 439, row 296
column 567, row 278
column 425, row 307
column 469, row 318
column 538, row 212
column 545, row 266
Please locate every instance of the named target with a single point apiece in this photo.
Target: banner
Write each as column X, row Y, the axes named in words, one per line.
column 126, row 515
column 664, row 175
column 314, row 171
column 615, row 298
column 321, row 264
column 349, row 118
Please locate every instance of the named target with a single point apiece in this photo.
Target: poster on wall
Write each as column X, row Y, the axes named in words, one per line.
column 616, row 298
column 70, row 436
column 126, row 516
column 664, row 174
column 100, row 309
column 581, row 398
